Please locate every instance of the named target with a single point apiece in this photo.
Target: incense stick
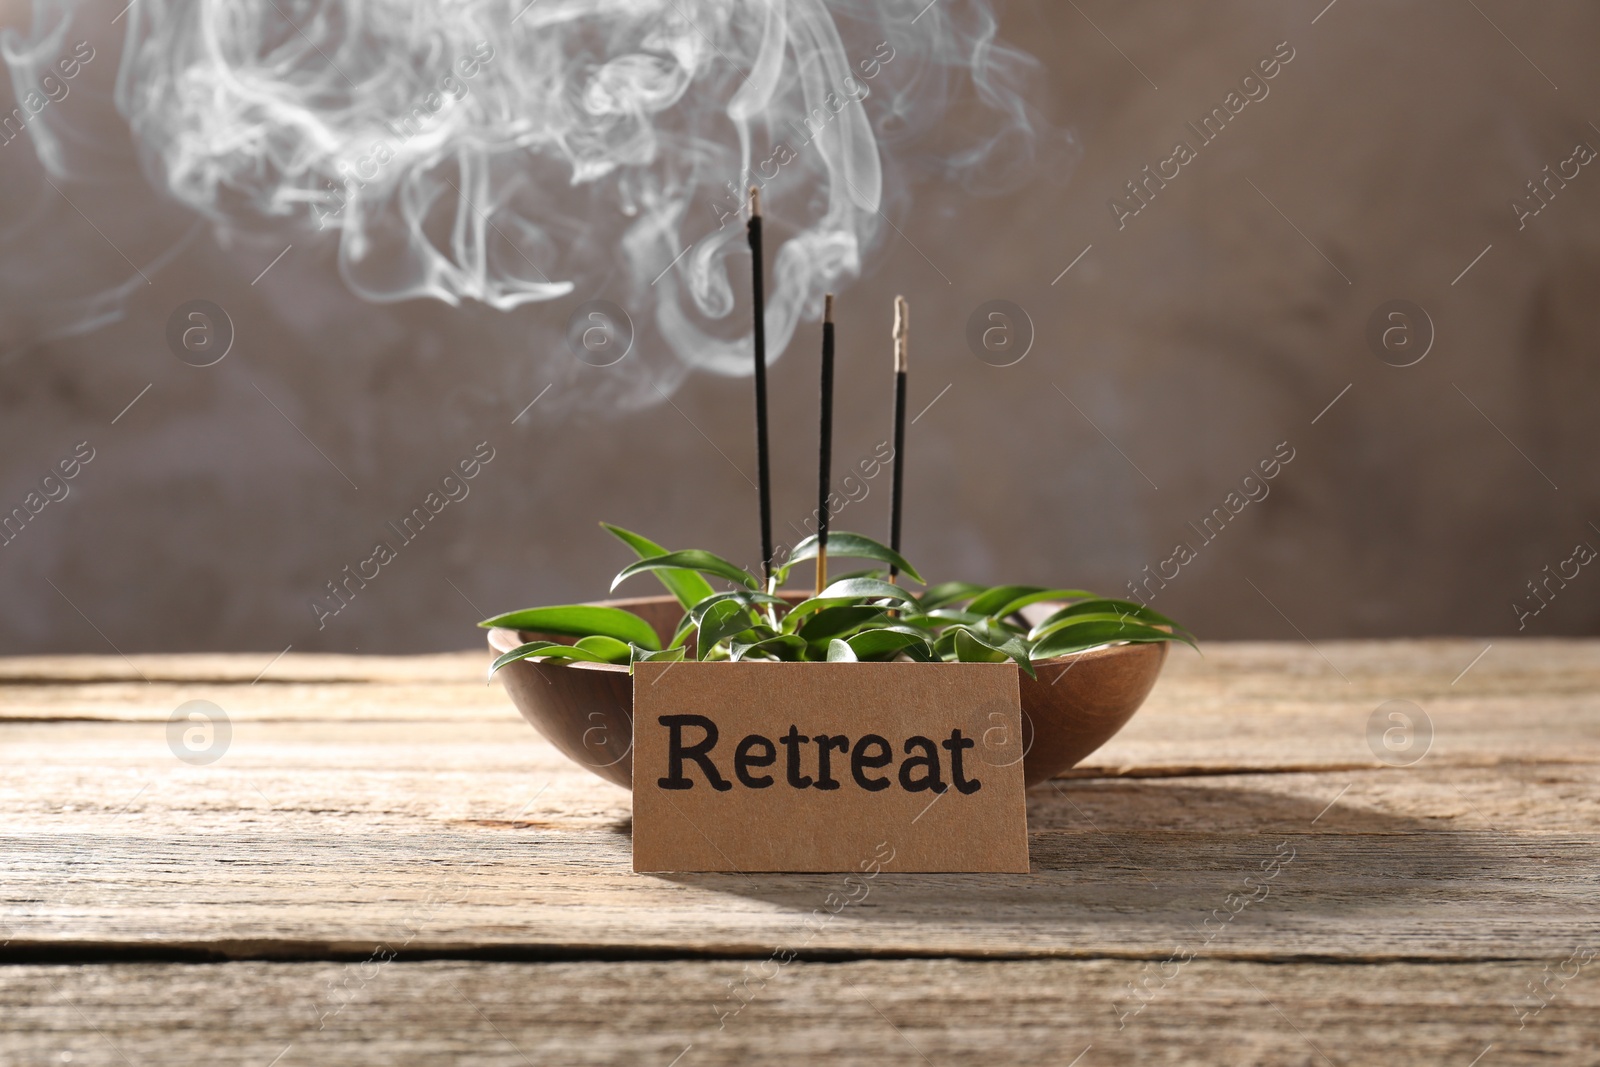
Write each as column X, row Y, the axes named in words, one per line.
column 902, row 327
column 825, row 443
column 759, row 334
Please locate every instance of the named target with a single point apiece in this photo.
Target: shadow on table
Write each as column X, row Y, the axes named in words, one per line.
column 1130, row 847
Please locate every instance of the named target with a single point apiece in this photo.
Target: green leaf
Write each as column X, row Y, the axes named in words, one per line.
column 520, row 652
column 840, row 652
column 640, row 655
column 743, row 597
column 1063, row 622
column 1042, row 631
column 608, row 648
column 945, row 594
column 997, row 632
column 1037, row 596
column 547, row 649
column 686, row 585
column 580, row 620
column 1077, row 637
column 725, row 619
column 974, row 645
column 866, row 589
column 720, row 609
column 1100, row 605
column 837, row 621
column 885, row 642
column 842, row 544
column 969, row 649
column 944, row 617
column 693, row 559
column 1017, row 649
column 783, row 647
column 848, row 591
column 999, row 596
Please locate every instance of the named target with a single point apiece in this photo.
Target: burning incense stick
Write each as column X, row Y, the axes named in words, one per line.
column 902, row 327
column 759, row 309
column 825, row 443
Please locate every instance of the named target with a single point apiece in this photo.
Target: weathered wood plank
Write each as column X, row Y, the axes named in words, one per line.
column 264, row 860
column 1245, row 706
column 700, row 1014
column 341, row 807
column 1392, row 915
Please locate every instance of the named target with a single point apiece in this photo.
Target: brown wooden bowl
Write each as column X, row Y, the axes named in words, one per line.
column 1076, row 704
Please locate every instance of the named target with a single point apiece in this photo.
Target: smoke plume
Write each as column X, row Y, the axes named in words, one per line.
column 509, row 152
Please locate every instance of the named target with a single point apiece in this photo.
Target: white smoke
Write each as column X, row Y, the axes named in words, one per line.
column 516, row 151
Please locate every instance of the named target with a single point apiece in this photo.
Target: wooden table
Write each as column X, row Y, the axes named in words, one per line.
column 388, row 866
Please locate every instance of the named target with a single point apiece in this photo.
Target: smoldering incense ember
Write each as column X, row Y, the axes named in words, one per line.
column 759, row 333
column 902, row 327
column 825, row 443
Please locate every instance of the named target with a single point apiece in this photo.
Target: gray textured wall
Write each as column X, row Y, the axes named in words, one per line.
column 1177, row 353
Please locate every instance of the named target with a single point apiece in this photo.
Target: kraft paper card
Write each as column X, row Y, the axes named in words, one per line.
column 814, row 766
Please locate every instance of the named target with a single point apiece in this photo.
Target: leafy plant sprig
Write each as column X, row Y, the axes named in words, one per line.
column 858, row 617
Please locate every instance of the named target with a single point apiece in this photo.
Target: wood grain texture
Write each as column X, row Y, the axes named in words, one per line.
column 716, row 1012
column 401, row 803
